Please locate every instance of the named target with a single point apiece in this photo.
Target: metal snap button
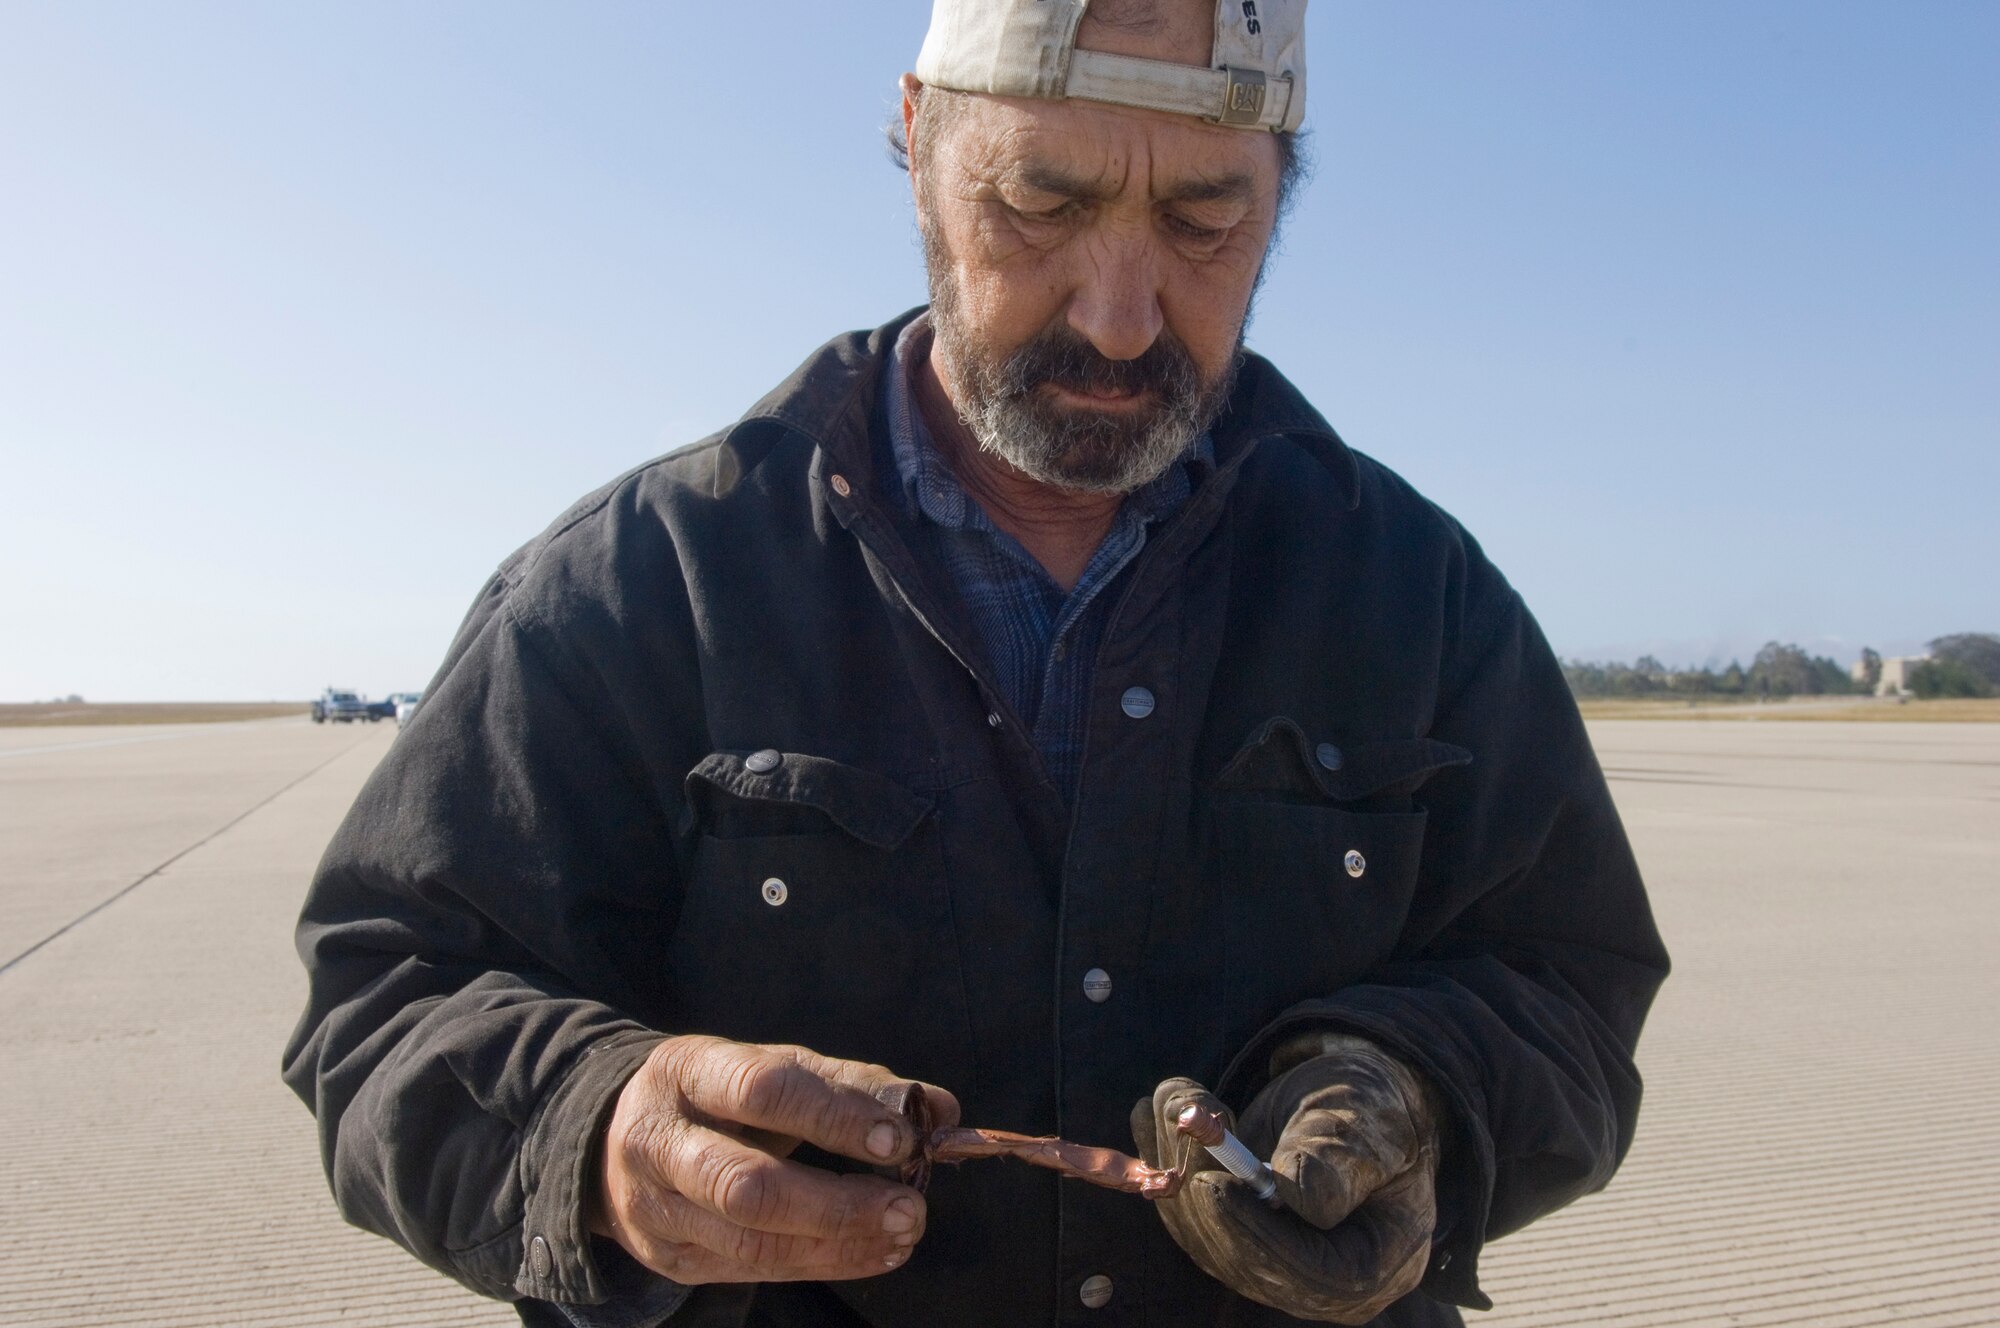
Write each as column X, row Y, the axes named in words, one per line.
column 1097, row 986
column 1356, row 864
column 776, row 892
column 1137, row 702
column 1329, row 756
column 762, row 763
column 841, row 486
column 538, row 1255
column 993, row 720
column 1095, row 1291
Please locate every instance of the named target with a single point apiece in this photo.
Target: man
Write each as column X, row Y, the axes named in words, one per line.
column 1032, row 698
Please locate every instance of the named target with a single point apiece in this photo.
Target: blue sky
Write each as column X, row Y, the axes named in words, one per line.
column 310, row 313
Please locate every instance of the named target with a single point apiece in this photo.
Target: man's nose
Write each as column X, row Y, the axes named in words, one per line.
column 1116, row 304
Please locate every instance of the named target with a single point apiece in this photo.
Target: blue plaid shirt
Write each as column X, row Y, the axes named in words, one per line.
column 1040, row 640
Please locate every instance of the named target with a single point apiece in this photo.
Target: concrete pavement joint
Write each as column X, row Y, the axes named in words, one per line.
column 209, row 838
column 193, row 731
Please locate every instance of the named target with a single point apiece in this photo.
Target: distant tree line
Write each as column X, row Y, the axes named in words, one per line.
column 1967, row 664
column 1778, row 670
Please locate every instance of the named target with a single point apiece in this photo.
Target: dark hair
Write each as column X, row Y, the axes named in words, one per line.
column 937, row 106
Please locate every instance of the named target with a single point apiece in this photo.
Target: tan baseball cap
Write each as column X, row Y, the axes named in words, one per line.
column 1027, row 48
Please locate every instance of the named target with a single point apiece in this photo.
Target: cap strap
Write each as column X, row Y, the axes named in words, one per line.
column 1242, row 98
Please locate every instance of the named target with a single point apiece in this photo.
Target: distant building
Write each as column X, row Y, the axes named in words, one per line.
column 1895, row 674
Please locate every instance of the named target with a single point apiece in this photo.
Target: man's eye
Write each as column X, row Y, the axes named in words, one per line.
column 1061, row 212
column 1198, row 234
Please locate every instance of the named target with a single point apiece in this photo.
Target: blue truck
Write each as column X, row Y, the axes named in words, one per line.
column 338, row 706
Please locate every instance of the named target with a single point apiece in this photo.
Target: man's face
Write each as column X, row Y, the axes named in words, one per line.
column 1091, row 269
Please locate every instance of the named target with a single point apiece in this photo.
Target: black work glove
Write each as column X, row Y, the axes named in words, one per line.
column 1352, row 1137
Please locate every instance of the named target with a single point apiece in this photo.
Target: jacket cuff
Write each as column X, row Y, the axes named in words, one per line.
column 558, row 1155
column 639, row 1297
column 1465, row 1149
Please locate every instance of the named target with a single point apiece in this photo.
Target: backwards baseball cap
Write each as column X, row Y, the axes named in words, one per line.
column 1027, row 48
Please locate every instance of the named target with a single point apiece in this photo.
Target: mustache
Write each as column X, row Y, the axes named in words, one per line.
column 1061, row 357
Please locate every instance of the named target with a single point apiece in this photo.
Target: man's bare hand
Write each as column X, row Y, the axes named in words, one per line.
column 695, row 1183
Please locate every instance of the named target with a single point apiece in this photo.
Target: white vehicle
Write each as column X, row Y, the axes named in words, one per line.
column 406, row 705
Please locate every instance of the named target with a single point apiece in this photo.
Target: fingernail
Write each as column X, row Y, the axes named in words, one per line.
column 882, row 1141
column 900, row 1215
column 904, row 1241
column 896, row 1260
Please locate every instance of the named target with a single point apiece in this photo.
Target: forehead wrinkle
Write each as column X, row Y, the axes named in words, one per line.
column 1017, row 151
column 1050, row 161
column 1068, row 160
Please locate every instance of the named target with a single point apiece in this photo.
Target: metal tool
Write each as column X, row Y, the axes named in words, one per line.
column 1206, row 1128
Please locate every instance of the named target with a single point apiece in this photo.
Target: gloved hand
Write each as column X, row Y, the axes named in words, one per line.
column 1352, row 1137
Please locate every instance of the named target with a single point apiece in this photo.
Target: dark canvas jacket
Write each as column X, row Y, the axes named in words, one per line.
column 565, row 851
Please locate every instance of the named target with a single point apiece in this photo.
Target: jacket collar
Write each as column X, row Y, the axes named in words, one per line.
column 1266, row 405
column 831, row 400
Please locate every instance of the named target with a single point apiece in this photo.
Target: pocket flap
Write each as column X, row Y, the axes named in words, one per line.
column 873, row 808
column 1280, row 758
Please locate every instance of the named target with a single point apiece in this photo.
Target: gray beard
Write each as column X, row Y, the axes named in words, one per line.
column 1087, row 451
column 1074, row 449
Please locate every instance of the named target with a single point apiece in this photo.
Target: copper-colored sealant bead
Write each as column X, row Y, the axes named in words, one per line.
column 1200, row 1124
column 1099, row 1166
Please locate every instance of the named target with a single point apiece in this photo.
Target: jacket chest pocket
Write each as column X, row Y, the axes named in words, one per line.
column 814, row 913
column 1318, row 852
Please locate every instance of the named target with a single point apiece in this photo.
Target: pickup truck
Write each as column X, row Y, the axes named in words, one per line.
column 340, row 707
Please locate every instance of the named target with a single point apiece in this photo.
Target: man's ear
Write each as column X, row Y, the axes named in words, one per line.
column 912, row 89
